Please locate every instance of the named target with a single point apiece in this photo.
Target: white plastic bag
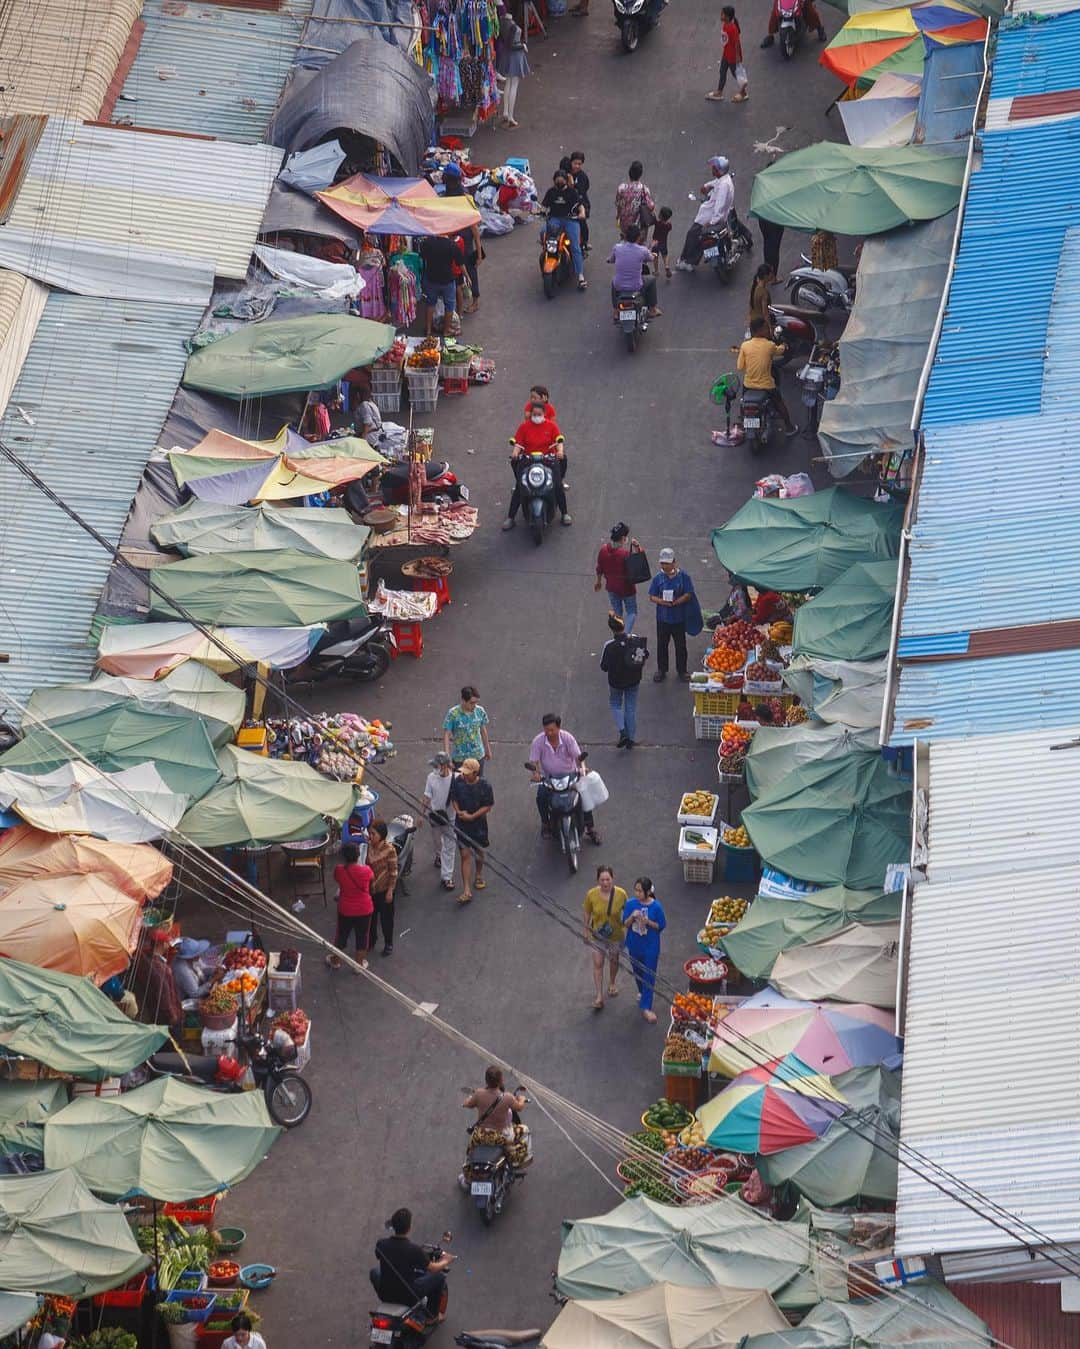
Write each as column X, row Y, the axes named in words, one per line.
column 592, row 790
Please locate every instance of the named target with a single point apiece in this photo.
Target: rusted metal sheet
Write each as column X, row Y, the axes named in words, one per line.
column 19, row 136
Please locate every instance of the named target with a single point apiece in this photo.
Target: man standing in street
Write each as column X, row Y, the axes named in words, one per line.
column 436, row 806
column 623, row 659
column 472, row 799
column 672, row 591
column 465, row 733
column 439, row 253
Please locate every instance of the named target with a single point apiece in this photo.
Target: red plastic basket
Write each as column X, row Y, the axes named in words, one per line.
column 130, row 1295
column 195, row 1212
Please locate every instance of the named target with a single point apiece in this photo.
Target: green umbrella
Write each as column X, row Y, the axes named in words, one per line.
column 168, row 1140
column 857, row 189
column 24, row 1108
column 209, row 527
column 189, row 688
column 283, row 588
column 67, row 1024
column 838, row 822
column 344, row 447
column 852, row 617
column 15, row 1310
column 854, row 1159
column 55, row 1237
column 265, row 801
column 287, row 355
column 924, row 1315
column 776, row 750
column 775, row 925
column 801, row 543
column 120, row 736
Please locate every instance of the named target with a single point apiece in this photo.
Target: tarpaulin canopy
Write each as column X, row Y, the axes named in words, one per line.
column 67, row 1024
column 258, row 477
column 279, row 588
column 851, row 619
column 801, row 543
column 884, row 343
column 290, row 211
column 878, row 41
column 775, row 925
column 855, row 1159
column 856, row 964
column 399, row 206
column 665, row 1316
column 768, row 1108
column 121, row 736
column 990, row 8
column 15, row 1310
column 140, row 871
column 315, row 276
column 856, row 189
column 837, row 821
column 83, row 925
column 776, row 750
column 150, row 650
column 168, row 1140
column 192, row 688
column 334, row 24
column 55, row 1237
column 287, row 355
column 923, row 1316
column 132, row 806
column 206, row 527
column 879, row 118
column 311, row 170
column 265, row 801
column 24, row 1108
column 372, row 89
column 849, row 692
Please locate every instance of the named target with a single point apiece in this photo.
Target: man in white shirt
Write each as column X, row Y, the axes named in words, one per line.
column 718, row 201
column 437, row 809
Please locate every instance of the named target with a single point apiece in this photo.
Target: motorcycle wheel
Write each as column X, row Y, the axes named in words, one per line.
column 573, row 849
column 630, row 34
column 723, row 272
column 631, row 340
column 787, row 44
column 537, row 527
column 754, row 442
column 809, row 295
column 375, row 665
column 288, row 1098
column 549, row 285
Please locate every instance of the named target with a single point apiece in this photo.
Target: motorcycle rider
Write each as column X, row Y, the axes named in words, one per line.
column 810, row 14
column 496, row 1122
column 716, row 213
column 537, row 434
column 755, row 364
column 564, row 210
column 556, row 753
column 631, row 258
column 406, row 1274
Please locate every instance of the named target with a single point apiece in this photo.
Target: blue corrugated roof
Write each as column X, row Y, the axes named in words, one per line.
column 1030, row 61
column 948, row 97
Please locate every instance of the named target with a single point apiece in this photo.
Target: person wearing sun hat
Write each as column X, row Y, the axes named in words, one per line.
column 191, row 977
column 678, row 614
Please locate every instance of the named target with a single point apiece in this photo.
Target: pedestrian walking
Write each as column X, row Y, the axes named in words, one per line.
column 760, row 297
column 436, row 808
column 604, row 932
column 678, row 614
column 623, row 660
column 472, row 799
column 771, row 234
column 644, row 920
column 382, row 858
column 731, row 59
column 634, row 203
column 612, row 574
column 354, row 905
column 512, row 63
column 660, row 232
column 465, row 730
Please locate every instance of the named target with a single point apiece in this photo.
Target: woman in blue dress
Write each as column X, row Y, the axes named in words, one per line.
column 644, row 920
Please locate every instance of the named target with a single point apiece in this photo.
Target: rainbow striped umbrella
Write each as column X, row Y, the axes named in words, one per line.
column 399, row 206
column 898, row 40
column 778, row 1105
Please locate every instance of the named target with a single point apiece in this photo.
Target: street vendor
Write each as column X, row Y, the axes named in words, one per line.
column 192, row 972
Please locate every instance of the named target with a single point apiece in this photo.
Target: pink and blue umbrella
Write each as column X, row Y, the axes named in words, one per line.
column 779, row 1105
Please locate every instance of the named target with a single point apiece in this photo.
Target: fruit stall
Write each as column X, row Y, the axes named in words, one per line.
column 742, row 679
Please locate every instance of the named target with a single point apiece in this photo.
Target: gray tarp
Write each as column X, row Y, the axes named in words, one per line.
column 335, row 23
column 292, row 212
column 373, row 89
column 900, row 283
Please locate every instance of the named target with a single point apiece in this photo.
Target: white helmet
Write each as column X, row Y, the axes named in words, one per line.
column 721, row 164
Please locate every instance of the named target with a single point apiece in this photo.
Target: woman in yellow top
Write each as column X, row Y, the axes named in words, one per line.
column 604, row 931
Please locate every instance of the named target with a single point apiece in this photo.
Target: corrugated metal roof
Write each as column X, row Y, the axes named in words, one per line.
column 1030, row 62
column 106, row 211
column 1023, row 1316
column 21, row 303
column 211, row 69
column 58, row 56
column 87, row 409
column 951, row 80
column 991, row 1083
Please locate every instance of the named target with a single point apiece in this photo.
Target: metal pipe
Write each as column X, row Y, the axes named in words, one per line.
column 894, row 632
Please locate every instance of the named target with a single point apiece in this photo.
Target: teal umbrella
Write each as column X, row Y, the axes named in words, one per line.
column 852, row 617
column 776, row 750
column 287, row 355
column 921, row 1316
column 837, row 822
column 15, row 1310
column 24, row 1108
column 802, row 543
column 772, row 926
column 212, row 527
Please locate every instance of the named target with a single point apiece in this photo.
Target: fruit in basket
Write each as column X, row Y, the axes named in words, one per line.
column 736, row 838
column 678, row 1049
column 665, row 1114
column 769, row 650
column 644, row 1139
column 691, row 1006
column 781, row 633
column 245, row 984
column 245, row 958
column 740, row 635
column 727, row 910
column 288, row 961
column 732, row 763
column 707, row 970
column 691, row 1159
column 693, row 1136
column 224, row 1269
column 697, row 803
column 796, row 715
column 760, row 673
column 295, row 1024
column 725, row 659
column 734, row 739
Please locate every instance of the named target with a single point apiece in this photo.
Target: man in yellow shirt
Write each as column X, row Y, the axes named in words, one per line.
column 756, row 356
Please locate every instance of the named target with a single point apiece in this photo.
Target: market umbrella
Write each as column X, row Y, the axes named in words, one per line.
column 771, row 926
column 851, row 619
column 151, row 650
column 801, row 543
column 855, row 1159
column 67, row 1024
column 829, row 1037
column 140, row 871
column 398, row 206
column 837, row 821
column 885, row 114
column 78, row 926
column 287, row 355
column 206, row 527
column 193, row 688
column 665, row 1316
column 920, row 1316
column 132, row 806
column 24, row 1108
column 266, row 801
column 233, row 482
column 897, row 40
column 856, row 964
column 856, row 189
column 776, row 750
column 15, row 1310
column 167, row 1140
column 280, row 588
column 768, row 1108
column 848, row 692
column 55, row 1237
column 343, row 447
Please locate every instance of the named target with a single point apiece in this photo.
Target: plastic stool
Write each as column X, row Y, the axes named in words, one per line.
column 408, row 640
column 456, row 383
column 439, row 586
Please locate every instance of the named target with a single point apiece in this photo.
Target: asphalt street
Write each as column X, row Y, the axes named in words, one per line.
column 526, row 627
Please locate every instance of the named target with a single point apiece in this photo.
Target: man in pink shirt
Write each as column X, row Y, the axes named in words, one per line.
column 556, row 754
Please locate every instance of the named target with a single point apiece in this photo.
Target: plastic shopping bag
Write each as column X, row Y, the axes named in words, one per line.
column 592, row 790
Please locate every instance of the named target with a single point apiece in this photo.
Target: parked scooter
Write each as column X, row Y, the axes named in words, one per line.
column 536, row 478
column 556, row 262
column 354, row 648
column 401, row 832
column 400, row 1327
column 792, row 26
column 441, row 484
column 567, row 814
column 812, row 288
column 635, row 18
column 288, row 1096
column 819, row 381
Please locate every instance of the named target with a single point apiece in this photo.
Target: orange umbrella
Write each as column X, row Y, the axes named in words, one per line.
column 139, row 870
column 399, row 206
column 84, row 926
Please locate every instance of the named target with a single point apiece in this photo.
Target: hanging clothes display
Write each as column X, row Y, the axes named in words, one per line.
column 403, row 291
column 459, row 54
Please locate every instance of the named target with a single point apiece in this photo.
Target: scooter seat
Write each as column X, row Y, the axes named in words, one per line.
column 485, row 1156
column 197, row 1065
column 756, row 396
column 797, row 312
column 397, row 1309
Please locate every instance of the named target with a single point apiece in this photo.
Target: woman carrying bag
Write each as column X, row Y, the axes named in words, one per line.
column 604, row 932
column 621, row 565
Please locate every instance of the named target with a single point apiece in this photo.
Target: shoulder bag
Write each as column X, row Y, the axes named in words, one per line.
column 637, row 567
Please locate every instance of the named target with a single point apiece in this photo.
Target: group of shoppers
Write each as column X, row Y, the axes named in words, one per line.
column 366, row 891
column 616, row 922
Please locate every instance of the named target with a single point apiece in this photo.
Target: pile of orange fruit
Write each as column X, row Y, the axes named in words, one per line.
column 734, row 739
column 725, row 659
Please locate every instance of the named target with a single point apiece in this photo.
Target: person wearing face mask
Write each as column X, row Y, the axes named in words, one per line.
column 538, row 434
column 562, row 205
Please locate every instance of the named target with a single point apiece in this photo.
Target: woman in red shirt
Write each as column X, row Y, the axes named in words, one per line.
column 354, row 905
column 611, row 575
column 537, row 434
column 732, row 59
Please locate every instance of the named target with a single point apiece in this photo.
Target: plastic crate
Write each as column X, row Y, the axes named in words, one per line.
column 195, row 1212
column 386, row 387
column 690, row 852
column 193, row 1313
column 682, row 818
column 284, row 986
column 303, row 1052
column 698, row 870
column 716, row 704
column 708, row 727
column 131, row 1294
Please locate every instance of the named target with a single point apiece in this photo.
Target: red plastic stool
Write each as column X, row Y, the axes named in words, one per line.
column 439, row 586
column 456, row 383
column 408, row 640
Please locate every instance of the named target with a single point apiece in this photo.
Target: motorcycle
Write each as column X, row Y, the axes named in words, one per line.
column 724, row 247
column 556, row 262
column 759, row 417
column 288, row 1096
column 796, row 330
column 353, row 648
column 812, row 288
column 489, row 1177
column 792, row 26
column 633, row 316
column 401, row 1327
column 633, row 19
column 440, row 485
column 567, row 815
column 819, row 380
column 536, row 478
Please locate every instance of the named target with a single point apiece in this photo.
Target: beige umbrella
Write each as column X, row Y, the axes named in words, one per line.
column 666, row 1316
column 856, row 964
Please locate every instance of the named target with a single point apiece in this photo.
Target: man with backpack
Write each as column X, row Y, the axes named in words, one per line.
column 622, row 660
